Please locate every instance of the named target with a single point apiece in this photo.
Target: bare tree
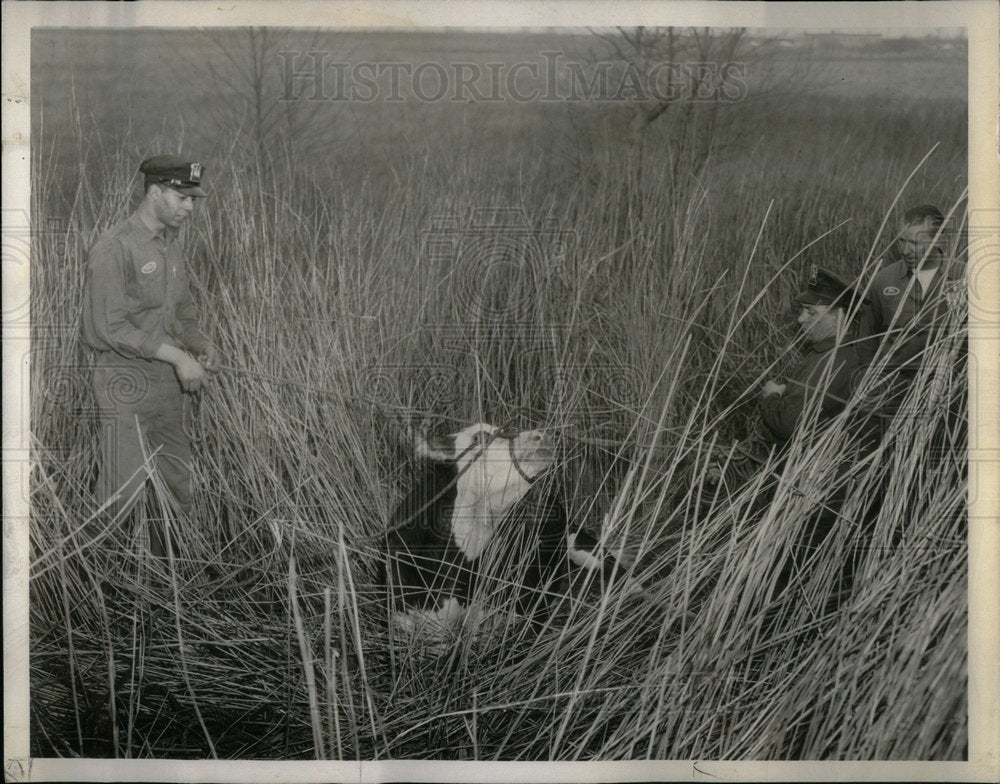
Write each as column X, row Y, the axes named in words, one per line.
column 254, row 108
column 681, row 66
column 674, row 85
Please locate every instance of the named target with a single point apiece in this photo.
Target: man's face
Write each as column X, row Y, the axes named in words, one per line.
column 818, row 322
column 916, row 243
column 172, row 207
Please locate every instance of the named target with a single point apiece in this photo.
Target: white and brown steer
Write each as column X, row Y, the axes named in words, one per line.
column 469, row 528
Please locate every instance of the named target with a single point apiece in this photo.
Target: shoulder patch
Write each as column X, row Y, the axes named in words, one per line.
column 890, row 291
column 148, row 267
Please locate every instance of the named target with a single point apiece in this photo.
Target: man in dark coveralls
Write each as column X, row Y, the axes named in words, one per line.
column 825, row 365
column 138, row 315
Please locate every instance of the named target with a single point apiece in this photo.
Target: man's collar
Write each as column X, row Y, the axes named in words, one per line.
column 954, row 268
column 910, row 273
column 906, row 272
column 143, row 233
column 146, row 234
column 949, row 269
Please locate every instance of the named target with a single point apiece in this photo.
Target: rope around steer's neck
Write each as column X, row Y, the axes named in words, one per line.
column 517, row 464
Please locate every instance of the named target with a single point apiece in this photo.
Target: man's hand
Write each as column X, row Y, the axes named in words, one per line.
column 773, row 388
column 189, row 372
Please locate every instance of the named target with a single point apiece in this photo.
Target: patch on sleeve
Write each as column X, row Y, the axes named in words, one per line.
column 148, row 267
column 890, row 291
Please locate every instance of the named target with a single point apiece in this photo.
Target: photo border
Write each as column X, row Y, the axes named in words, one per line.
column 979, row 17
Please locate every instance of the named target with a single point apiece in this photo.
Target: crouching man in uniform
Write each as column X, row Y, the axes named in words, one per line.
column 139, row 317
column 829, row 369
column 823, row 303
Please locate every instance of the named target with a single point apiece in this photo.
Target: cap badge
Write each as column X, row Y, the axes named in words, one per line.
column 148, row 267
column 813, row 275
column 195, row 172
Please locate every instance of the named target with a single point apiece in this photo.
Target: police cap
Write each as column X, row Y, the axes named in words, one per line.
column 824, row 288
column 175, row 172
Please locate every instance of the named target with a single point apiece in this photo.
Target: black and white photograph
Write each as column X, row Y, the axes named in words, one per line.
column 434, row 390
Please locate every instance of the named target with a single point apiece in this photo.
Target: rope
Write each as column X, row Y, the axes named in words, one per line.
column 193, row 409
column 409, row 414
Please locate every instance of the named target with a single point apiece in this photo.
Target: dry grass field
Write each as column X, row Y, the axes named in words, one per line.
column 635, row 304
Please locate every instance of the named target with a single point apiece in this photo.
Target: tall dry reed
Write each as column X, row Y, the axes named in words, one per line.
column 642, row 337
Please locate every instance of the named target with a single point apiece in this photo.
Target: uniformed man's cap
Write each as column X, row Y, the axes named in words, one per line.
column 824, row 288
column 181, row 175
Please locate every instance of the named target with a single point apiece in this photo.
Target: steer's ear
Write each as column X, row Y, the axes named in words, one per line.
column 433, row 448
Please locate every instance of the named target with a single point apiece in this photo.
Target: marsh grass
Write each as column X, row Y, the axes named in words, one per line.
column 639, row 331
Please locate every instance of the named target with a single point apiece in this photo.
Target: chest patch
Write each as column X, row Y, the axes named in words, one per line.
column 149, row 266
column 890, row 291
column 472, row 532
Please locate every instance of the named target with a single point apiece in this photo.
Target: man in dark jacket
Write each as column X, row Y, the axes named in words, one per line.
column 139, row 317
column 829, row 363
column 907, row 297
column 822, row 383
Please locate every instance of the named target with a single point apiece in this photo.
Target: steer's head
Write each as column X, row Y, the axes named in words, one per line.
column 494, row 470
column 498, row 454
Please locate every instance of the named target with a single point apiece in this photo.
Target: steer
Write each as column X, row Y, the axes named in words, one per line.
column 472, row 532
